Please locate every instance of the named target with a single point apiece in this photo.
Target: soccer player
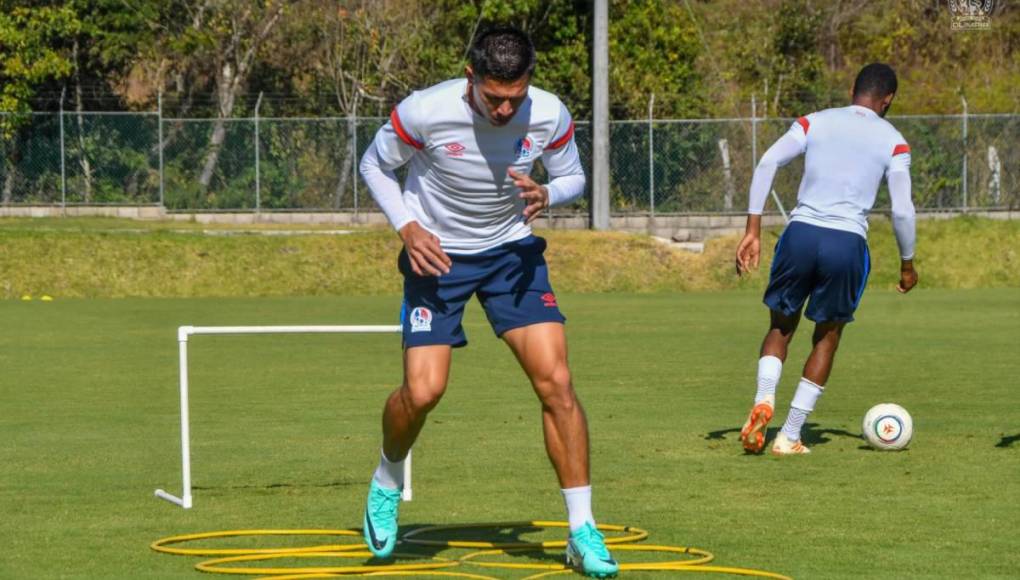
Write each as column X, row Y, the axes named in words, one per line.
column 464, row 215
column 823, row 253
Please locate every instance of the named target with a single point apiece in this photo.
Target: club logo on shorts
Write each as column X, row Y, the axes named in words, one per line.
column 549, row 299
column 523, row 148
column 421, row 320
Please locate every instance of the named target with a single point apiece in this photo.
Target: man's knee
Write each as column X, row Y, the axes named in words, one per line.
column 555, row 388
column 422, row 394
column 826, row 336
column 783, row 324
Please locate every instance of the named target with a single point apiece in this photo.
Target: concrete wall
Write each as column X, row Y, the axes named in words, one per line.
column 137, row 212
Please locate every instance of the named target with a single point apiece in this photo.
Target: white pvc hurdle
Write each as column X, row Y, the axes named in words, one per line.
column 185, row 500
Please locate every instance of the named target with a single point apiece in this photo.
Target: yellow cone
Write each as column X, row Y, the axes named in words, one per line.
column 26, row 297
column 46, row 298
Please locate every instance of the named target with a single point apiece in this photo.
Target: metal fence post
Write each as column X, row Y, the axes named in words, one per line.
column 159, row 132
column 651, row 155
column 600, row 160
column 354, row 157
column 964, row 100
column 63, row 172
column 754, row 131
column 258, row 170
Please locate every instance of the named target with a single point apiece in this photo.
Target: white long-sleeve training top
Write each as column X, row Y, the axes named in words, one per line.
column 457, row 185
column 847, row 152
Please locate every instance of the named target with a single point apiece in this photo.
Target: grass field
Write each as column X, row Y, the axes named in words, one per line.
column 286, row 432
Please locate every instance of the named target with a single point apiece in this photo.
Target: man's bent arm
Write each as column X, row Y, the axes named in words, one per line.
column 903, row 214
column 567, row 176
column 786, row 149
column 385, row 188
column 563, row 164
column 565, row 188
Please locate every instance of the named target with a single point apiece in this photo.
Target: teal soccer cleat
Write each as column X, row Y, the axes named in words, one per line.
column 587, row 553
column 380, row 526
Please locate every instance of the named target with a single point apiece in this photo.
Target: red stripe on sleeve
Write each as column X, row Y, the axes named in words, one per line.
column 404, row 135
column 804, row 123
column 901, row 148
column 562, row 140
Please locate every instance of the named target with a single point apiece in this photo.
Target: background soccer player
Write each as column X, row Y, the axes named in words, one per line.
column 823, row 254
column 464, row 215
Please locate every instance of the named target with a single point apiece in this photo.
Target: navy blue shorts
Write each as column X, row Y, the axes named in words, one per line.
column 511, row 282
column 829, row 266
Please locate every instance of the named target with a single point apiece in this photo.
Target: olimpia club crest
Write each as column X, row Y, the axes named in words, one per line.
column 523, row 147
column 421, row 320
column 972, row 14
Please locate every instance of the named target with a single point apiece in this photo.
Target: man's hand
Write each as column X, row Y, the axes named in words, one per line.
column 426, row 255
column 536, row 196
column 749, row 249
column 908, row 277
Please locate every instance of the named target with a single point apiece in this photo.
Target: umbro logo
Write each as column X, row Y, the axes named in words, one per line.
column 454, row 149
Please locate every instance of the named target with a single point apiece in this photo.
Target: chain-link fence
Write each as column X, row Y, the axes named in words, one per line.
column 658, row 166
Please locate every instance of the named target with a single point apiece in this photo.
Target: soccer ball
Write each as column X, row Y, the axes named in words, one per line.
column 888, row 427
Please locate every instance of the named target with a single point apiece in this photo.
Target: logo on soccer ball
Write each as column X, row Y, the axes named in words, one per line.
column 523, row 148
column 421, row 320
column 549, row 299
column 888, row 428
column 454, row 149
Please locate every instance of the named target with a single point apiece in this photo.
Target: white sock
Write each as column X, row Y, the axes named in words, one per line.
column 578, row 501
column 803, row 403
column 769, row 370
column 389, row 474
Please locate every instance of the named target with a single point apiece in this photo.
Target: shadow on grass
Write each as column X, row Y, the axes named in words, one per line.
column 511, row 534
column 278, row 485
column 406, row 552
column 1008, row 441
column 500, row 535
column 811, row 435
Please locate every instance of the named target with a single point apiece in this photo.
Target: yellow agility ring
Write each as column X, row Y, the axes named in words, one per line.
column 694, row 565
column 162, row 545
column 703, row 557
column 632, row 534
column 696, row 562
column 216, row 566
column 441, row 573
column 703, row 569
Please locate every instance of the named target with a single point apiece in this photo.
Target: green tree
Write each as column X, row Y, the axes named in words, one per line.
column 30, row 54
column 653, row 48
column 783, row 64
column 31, row 51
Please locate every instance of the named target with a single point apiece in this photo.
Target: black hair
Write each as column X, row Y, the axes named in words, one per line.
column 876, row 79
column 504, row 53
